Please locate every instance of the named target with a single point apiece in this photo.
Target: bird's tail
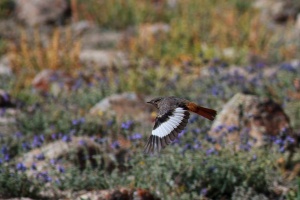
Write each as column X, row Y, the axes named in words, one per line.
column 205, row 112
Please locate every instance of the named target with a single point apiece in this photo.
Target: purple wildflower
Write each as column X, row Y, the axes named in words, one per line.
column 197, row 145
column 33, row 166
column 110, row 122
column 284, row 130
column 78, row 121
column 196, row 130
column 38, row 141
column 58, row 182
column 43, row 176
column 42, row 138
column 54, row 77
column 127, row 125
column 54, row 136
column 213, row 70
column 6, row 157
column 78, row 83
column 53, row 161
column 210, row 139
column 61, row 169
column 74, row 122
column 215, row 91
column 232, row 128
column 203, row 191
column 187, row 147
column 193, row 119
column 288, row 67
column 18, row 134
column 282, row 149
column 135, row 136
column 2, row 111
column 5, row 97
column 21, row 167
column 279, row 142
column 246, row 147
column 4, row 150
column 260, row 65
column 210, row 151
column 26, row 146
column 72, row 132
column 82, row 142
column 115, row 145
column 290, row 139
column 100, row 140
column 219, row 128
column 40, row 156
column 66, row 138
column 181, row 133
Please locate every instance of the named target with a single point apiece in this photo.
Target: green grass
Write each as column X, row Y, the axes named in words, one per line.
column 14, row 184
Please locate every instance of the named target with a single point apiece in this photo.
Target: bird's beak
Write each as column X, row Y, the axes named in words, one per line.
column 148, row 102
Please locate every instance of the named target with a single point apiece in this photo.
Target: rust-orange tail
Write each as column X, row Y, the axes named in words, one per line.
column 205, row 112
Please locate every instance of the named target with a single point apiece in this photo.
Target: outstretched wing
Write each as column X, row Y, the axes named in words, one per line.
column 166, row 129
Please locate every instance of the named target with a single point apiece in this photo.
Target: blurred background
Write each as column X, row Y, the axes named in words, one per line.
column 75, row 76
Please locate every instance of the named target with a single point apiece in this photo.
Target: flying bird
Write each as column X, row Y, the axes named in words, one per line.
column 173, row 115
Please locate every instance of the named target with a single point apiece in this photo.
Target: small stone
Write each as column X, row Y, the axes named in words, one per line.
column 40, row 12
column 103, row 58
column 5, row 67
column 124, row 105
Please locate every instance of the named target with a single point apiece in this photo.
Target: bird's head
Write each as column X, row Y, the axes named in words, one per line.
column 155, row 101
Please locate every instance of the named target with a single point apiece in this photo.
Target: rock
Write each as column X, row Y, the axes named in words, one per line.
column 124, row 105
column 7, row 117
column 93, row 195
column 93, row 37
column 279, row 11
column 52, row 81
column 247, row 115
column 47, row 157
column 122, row 193
column 148, row 31
column 103, row 58
column 70, row 151
column 8, row 113
column 40, row 12
column 229, row 52
column 81, row 27
column 5, row 67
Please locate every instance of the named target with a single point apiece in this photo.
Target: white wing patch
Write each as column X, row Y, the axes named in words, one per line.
column 172, row 123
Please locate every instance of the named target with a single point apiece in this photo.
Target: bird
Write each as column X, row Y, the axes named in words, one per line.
column 173, row 115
